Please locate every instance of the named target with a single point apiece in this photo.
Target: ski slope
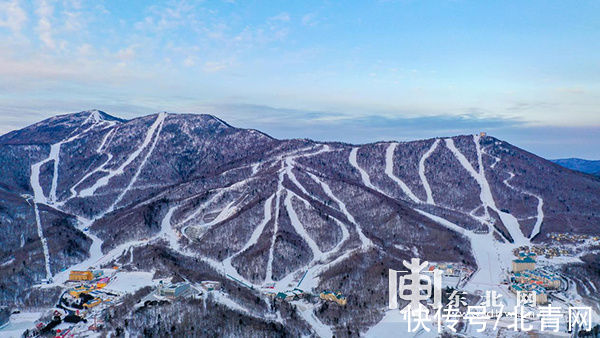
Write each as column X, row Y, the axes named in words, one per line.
column 366, row 242
column 424, row 181
column 160, row 119
column 485, row 195
column 40, row 232
column 363, row 174
column 389, row 170
column 299, row 228
column 540, row 206
column 103, row 181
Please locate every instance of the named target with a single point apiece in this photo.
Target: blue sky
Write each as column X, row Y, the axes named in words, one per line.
column 357, row 71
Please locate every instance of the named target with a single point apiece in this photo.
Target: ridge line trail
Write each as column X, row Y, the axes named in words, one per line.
column 389, row 170
column 424, row 180
column 540, row 211
column 103, row 181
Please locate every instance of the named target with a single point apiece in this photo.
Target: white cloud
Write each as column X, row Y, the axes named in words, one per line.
column 85, row 50
column 284, row 17
column 12, row 15
column 44, row 28
column 189, row 61
column 126, row 54
column 309, row 19
column 215, row 66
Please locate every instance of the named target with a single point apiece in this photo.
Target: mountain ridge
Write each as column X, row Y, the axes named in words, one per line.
column 262, row 210
column 578, row 164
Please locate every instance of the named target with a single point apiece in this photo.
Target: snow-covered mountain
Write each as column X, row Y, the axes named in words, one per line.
column 578, row 164
column 192, row 196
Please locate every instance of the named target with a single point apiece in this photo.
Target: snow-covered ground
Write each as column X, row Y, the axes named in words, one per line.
column 307, row 312
column 18, row 323
column 129, row 282
column 393, row 324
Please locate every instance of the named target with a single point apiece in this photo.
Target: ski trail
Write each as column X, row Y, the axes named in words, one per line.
column 345, row 236
column 255, row 167
column 34, row 180
column 289, row 163
column 54, row 156
column 492, row 258
column 327, row 254
column 540, row 206
column 389, row 170
column 55, row 153
column 40, row 231
column 307, row 313
column 103, row 181
column 496, row 158
column 363, row 174
column 167, row 231
column 299, row 228
column 106, row 137
column 261, row 227
column 422, row 172
column 366, row 242
column 220, row 192
column 254, row 237
column 269, row 273
column 160, row 119
column 228, row 211
column 540, row 217
column 485, row 195
column 100, row 168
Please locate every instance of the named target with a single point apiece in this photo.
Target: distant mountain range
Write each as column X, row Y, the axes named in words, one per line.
column 192, row 196
column 578, row 164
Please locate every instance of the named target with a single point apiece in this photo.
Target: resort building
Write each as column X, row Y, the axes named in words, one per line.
column 333, row 297
column 524, row 263
column 81, row 275
column 173, row 290
column 541, row 296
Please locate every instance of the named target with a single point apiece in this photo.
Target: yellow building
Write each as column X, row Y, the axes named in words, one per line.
column 78, row 291
column 81, row 275
column 526, row 263
column 333, row 297
column 92, row 303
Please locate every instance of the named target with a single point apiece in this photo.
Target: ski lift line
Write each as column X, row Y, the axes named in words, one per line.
column 301, row 279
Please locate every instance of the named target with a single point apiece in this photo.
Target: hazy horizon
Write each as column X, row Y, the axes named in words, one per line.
column 280, row 131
